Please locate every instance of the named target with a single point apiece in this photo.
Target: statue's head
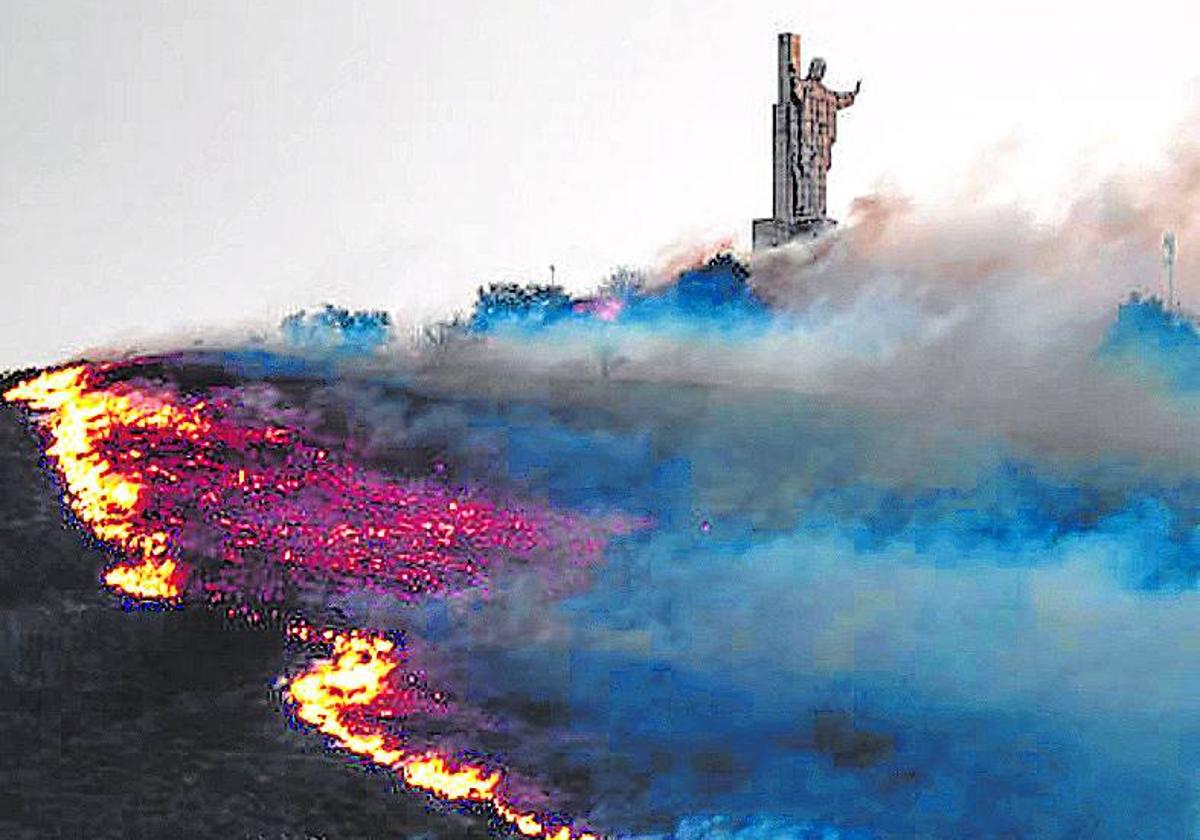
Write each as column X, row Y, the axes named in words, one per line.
column 816, row 69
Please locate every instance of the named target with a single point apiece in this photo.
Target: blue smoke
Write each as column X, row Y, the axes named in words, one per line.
column 840, row 621
column 1158, row 341
column 809, row 641
column 719, row 827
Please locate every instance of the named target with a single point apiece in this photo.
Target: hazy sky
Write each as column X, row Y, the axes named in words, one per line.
column 174, row 164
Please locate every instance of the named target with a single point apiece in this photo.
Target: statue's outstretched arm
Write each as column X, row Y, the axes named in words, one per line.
column 845, row 100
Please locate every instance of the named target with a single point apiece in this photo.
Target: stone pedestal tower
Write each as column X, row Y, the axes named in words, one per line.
column 805, row 129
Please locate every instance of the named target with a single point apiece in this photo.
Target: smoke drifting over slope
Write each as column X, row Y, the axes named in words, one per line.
column 908, row 547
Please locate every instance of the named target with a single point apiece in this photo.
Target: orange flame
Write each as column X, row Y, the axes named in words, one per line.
column 101, row 494
column 356, row 676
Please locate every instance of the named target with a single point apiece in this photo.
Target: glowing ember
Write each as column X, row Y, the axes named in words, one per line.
column 157, row 476
column 604, row 309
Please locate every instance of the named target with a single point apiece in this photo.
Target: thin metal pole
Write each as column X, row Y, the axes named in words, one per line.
column 1168, row 256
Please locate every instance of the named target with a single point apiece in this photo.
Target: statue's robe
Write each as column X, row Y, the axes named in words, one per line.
column 816, row 133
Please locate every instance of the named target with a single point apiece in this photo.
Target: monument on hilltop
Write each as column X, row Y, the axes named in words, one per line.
column 805, row 131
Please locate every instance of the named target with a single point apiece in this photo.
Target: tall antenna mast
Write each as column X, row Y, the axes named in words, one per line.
column 1168, row 258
